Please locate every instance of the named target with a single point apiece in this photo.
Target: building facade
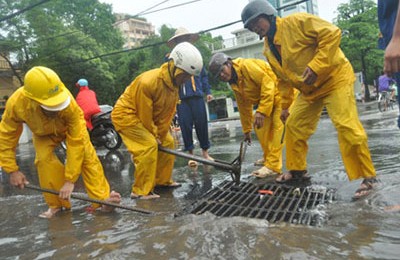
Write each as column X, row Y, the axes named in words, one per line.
column 8, row 82
column 287, row 7
column 134, row 30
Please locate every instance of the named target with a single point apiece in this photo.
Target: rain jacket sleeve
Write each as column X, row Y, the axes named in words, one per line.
column 246, row 113
column 286, row 92
column 267, row 93
column 204, row 82
column 145, row 109
column 10, row 131
column 76, row 139
column 328, row 38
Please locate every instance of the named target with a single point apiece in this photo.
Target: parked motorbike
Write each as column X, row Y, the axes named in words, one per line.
column 103, row 132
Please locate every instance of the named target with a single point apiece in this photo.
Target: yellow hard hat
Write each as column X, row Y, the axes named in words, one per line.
column 44, row 86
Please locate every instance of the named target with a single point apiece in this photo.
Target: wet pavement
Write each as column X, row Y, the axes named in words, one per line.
column 350, row 230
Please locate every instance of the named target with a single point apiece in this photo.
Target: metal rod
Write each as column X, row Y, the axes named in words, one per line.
column 216, row 163
column 74, row 196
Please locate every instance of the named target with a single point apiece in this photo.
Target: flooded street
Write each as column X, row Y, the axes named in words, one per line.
column 351, row 230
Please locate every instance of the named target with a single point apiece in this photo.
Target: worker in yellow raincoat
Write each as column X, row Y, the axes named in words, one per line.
column 143, row 114
column 303, row 51
column 46, row 106
column 254, row 84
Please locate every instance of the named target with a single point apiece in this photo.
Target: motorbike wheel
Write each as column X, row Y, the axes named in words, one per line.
column 113, row 140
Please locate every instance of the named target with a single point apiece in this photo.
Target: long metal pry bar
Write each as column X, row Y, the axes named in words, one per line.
column 234, row 168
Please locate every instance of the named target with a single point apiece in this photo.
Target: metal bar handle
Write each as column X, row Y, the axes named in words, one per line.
column 74, row 196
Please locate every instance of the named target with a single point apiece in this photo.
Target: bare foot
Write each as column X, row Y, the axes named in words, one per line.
column 149, row 196
column 51, row 212
column 393, row 208
column 115, row 198
column 207, row 156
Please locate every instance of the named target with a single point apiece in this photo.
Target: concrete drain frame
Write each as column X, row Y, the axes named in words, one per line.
column 269, row 201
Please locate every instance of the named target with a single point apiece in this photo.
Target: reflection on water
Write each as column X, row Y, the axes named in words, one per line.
column 350, row 230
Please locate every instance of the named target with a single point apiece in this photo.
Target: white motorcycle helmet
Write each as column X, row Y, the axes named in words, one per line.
column 188, row 58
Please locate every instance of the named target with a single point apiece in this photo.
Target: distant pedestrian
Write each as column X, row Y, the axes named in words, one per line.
column 191, row 108
column 385, row 85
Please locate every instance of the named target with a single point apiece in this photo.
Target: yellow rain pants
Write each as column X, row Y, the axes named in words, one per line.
column 48, row 132
column 305, row 41
column 256, row 85
column 51, row 172
column 302, row 122
column 142, row 115
column 270, row 138
column 151, row 166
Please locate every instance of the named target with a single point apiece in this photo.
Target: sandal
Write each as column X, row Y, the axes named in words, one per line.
column 171, row 185
column 293, row 176
column 149, row 196
column 263, row 172
column 192, row 163
column 259, row 162
column 367, row 186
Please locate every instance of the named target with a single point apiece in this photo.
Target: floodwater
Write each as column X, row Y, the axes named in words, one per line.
column 352, row 230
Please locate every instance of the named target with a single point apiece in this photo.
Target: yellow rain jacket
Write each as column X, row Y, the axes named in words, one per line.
column 256, row 85
column 48, row 132
column 304, row 40
column 143, row 114
column 297, row 35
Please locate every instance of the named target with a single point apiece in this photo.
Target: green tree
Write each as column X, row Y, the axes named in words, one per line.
column 64, row 35
column 359, row 23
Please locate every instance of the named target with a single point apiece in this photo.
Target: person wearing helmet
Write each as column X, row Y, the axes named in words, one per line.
column 254, row 84
column 51, row 113
column 191, row 109
column 142, row 115
column 87, row 101
column 303, row 51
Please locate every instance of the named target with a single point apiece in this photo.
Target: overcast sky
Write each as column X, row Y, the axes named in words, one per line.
column 202, row 14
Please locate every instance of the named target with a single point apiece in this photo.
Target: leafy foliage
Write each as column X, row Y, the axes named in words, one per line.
column 360, row 30
column 67, row 36
column 61, row 34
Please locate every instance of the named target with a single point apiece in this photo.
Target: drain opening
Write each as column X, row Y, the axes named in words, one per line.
column 269, row 201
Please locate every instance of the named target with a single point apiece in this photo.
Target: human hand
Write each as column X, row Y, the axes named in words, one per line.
column 247, row 137
column 18, row 179
column 66, row 190
column 209, row 98
column 158, row 141
column 309, row 76
column 392, row 57
column 284, row 115
column 258, row 120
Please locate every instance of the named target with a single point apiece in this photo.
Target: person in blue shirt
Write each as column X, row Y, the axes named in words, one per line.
column 191, row 109
column 385, row 85
column 389, row 25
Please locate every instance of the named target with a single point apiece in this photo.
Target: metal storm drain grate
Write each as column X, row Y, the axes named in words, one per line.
column 270, row 201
